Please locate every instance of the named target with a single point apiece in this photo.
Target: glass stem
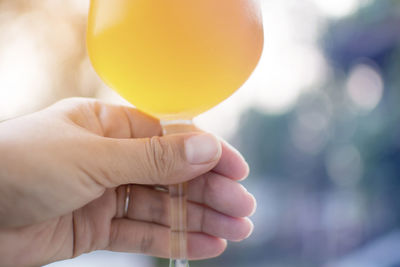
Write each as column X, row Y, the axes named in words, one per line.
column 178, row 209
column 178, row 263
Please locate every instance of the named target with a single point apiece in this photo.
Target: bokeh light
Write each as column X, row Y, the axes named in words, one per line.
column 339, row 8
column 365, row 86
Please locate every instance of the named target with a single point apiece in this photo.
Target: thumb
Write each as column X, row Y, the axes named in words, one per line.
column 162, row 160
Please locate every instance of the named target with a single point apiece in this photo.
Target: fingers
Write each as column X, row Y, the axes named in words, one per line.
column 126, row 122
column 164, row 160
column 232, row 163
column 152, row 239
column 206, row 220
column 158, row 160
column 222, row 194
column 108, row 120
column 150, row 205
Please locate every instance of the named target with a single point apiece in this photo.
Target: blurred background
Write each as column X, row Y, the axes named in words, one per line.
column 319, row 123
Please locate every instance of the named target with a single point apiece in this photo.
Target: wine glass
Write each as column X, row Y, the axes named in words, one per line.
column 175, row 59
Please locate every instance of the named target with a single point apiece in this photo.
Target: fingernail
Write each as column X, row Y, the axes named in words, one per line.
column 202, row 148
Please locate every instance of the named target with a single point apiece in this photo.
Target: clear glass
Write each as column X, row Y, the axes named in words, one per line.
column 178, row 209
column 178, row 263
column 175, row 59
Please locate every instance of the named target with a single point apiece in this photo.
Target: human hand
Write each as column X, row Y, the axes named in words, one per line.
column 63, row 173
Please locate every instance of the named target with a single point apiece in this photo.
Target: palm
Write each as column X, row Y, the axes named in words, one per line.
column 64, row 210
column 84, row 230
column 101, row 225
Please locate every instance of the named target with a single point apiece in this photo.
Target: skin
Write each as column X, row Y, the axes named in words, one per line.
column 63, row 177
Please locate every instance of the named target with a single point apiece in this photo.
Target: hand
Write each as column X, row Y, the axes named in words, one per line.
column 63, row 175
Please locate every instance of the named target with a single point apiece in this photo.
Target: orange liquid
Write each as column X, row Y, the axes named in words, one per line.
column 175, row 58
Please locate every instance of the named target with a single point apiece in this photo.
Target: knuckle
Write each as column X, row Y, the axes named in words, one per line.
column 212, row 189
column 160, row 156
column 159, row 211
column 147, row 240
